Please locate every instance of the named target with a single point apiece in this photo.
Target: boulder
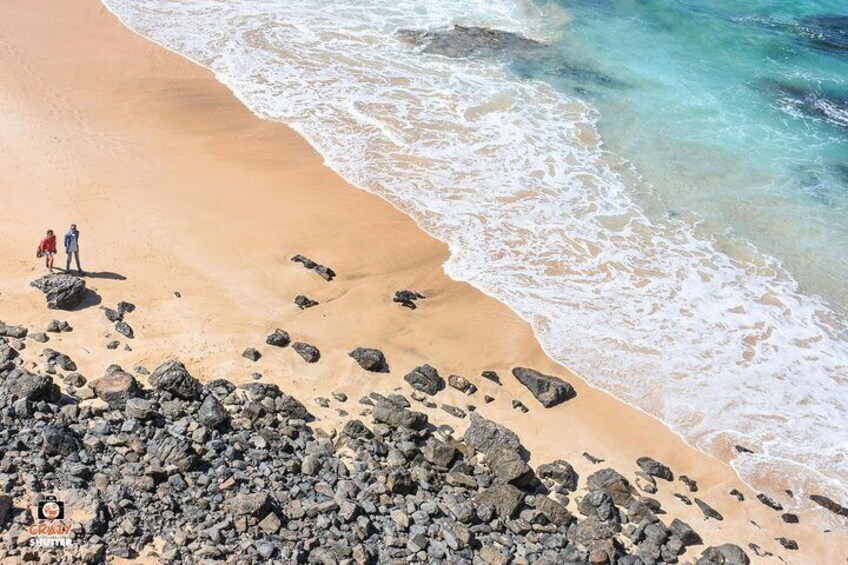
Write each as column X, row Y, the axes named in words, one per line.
column 138, row 408
column 125, row 330
column 598, row 506
column 708, row 510
column 507, row 466
column 22, row 384
column 685, row 532
column 280, row 338
column 369, row 359
column 654, row 468
column 727, row 554
column 59, row 440
column 561, row 472
column 613, row 483
column 438, row 453
column 308, row 352
column 115, row 387
column 395, row 416
column 548, row 390
column 173, row 454
column 173, row 377
column 212, row 413
column 554, row 512
column 407, row 298
column 770, row 502
column 504, row 498
column 425, row 379
column 64, row 292
column 251, row 354
column 830, row 504
column 487, row 436
column 303, row 302
column 461, row 384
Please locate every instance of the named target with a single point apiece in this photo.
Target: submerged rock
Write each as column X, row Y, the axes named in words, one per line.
column 468, row 41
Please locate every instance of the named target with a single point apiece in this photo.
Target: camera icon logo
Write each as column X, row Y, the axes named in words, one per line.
column 51, row 508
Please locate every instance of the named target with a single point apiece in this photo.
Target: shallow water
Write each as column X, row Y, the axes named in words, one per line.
column 635, row 259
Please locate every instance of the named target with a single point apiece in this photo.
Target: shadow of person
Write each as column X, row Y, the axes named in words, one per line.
column 101, row 275
column 89, row 299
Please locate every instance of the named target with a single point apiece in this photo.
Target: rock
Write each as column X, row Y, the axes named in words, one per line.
column 395, row 416
column 58, row 440
column 549, row 391
column 138, row 408
column 407, row 298
column 560, row 471
column 520, row 406
column 254, row 504
column 554, row 512
column 738, row 494
column 64, row 292
column 438, row 453
column 251, row 354
column 504, row 498
column 685, row 532
column 369, row 359
column 591, row 458
column 461, row 384
column 173, row 454
column 112, row 315
column 303, row 302
column 708, row 510
column 125, row 330
column 598, row 506
column 55, row 326
column 727, row 554
column 742, row 449
column 830, row 504
column 654, row 468
column 491, row 376
column 426, row 379
column 789, row 518
column 114, row 344
column 280, row 338
column 488, row 399
column 115, row 387
column 357, row 430
column 25, row 385
column 487, row 436
column 125, row 307
column 39, row 337
column 691, row 484
column 326, row 273
column 774, row 505
column 173, row 377
column 613, row 484
column 212, row 413
column 507, row 466
column 6, row 505
column 787, row 543
column 308, row 352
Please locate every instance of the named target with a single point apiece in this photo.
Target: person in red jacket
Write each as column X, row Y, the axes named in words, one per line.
column 47, row 249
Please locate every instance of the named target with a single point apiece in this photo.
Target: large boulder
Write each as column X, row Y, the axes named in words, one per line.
column 727, row 554
column 115, row 387
column 172, row 376
column 64, row 292
column 59, row 440
column 173, row 454
column 212, row 413
column 654, row 468
column 395, row 416
column 23, row 384
column 613, row 484
column 506, row 499
column 549, row 391
column 561, row 472
column 487, row 436
column 425, row 379
column 507, row 466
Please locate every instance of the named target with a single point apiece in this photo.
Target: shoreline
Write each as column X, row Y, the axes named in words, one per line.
column 441, row 322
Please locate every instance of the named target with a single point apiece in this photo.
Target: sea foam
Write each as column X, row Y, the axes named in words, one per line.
column 511, row 174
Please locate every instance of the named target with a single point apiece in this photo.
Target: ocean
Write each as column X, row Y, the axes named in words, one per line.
column 659, row 188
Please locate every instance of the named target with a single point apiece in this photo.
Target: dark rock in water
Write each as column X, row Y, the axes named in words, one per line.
column 742, row 449
column 125, row 330
column 771, row 503
column 172, row 453
column 486, row 436
column 827, row 31
column 425, row 379
column 560, row 471
column 810, row 101
column 172, row 376
column 407, row 298
column 789, row 518
column 280, row 338
column 326, row 273
column 64, row 292
column 115, row 387
column 830, row 504
column 708, row 510
column 369, row 359
column 727, row 554
column 787, row 543
column 58, row 440
column 212, row 413
column 21, row 384
column 309, row 352
column 251, row 354
column 549, row 391
column 613, row 484
column 113, row 315
column 463, row 41
column 303, row 302
column 685, row 532
column 738, row 495
column 492, row 376
column 654, row 468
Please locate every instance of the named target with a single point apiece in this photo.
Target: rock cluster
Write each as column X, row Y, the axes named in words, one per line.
column 325, row 272
column 407, row 298
column 63, row 292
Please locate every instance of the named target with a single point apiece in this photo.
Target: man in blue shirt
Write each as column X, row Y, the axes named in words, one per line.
column 72, row 247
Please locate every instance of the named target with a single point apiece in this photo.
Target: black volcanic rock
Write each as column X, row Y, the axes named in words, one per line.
column 407, row 298
column 426, row 379
column 308, row 352
column 548, row 390
column 173, row 377
column 64, row 292
column 467, row 41
column 369, row 359
column 654, row 468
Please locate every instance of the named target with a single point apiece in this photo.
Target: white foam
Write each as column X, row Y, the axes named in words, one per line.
column 536, row 214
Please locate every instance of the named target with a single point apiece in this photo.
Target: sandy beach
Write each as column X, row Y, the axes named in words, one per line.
column 178, row 188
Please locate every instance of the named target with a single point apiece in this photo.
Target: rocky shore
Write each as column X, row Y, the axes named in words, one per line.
column 158, row 465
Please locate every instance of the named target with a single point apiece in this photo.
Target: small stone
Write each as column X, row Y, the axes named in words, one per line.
column 708, row 510
column 369, row 359
column 251, row 354
column 308, row 352
column 789, row 518
column 787, row 543
column 425, row 379
column 279, row 338
column 303, row 302
column 125, row 330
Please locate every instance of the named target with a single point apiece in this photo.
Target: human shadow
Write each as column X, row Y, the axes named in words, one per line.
column 108, row 275
column 89, row 299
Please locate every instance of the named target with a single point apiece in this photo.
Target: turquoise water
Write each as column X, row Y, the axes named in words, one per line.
column 734, row 110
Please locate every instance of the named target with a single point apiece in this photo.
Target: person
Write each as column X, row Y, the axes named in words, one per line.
column 72, row 247
column 47, row 249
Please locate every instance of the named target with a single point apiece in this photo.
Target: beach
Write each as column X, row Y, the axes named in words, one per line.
column 191, row 208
